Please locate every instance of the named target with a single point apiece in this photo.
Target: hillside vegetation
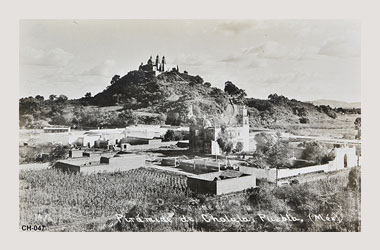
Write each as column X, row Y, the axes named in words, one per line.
column 141, row 97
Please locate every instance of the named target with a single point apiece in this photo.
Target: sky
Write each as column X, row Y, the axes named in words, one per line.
column 301, row 59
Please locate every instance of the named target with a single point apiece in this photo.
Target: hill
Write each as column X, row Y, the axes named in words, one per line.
column 174, row 94
column 279, row 112
column 337, row 104
column 171, row 93
column 169, row 98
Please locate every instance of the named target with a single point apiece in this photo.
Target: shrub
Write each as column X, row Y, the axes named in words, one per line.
column 354, row 179
column 317, row 152
column 169, row 135
column 239, row 146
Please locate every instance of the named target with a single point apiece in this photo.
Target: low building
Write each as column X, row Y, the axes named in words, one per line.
column 101, row 164
column 218, row 183
column 76, row 153
column 57, row 129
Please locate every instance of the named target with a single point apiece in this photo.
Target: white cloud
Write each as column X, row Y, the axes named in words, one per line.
column 275, row 50
column 54, row 57
column 340, row 47
column 105, row 68
column 275, row 55
column 234, row 27
column 289, row 77
column 191, row 60
column 237, row 57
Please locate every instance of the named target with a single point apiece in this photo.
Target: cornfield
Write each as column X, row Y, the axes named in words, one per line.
column 50, row 197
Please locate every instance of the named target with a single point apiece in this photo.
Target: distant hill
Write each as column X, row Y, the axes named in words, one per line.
column 337, row 104
column 279, row 112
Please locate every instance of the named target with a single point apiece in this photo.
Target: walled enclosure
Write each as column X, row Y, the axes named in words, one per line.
column 338, row 163
column 208, row 184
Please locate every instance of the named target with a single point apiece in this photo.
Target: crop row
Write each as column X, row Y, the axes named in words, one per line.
column 59, row 196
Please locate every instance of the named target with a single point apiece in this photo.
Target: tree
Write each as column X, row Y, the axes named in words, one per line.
column 59, row 119
column 258, row 160
column 238, row 95
column 232, row 89
column 273, row 97
column 277, row 155
column 128, row 117
column 174, row 118
column 327, row 110
column 354, row 179
column 28, row 105
column 87, row 95
column 114, row 79
column 58, row 153
column 265, row 141
column 317, row 152
column 224, row 141
column 358, row 123
column 162, row 118
column 39, row 98
column 207, row 84
column 169, row 135
column 62, row 98
column 26, row 121
column 52, row 97
column 198, row 79
column 239, row 146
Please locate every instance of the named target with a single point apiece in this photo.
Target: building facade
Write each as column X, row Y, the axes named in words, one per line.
column 203, row 137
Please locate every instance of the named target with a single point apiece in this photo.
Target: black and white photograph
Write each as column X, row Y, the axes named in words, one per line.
column 189, row 125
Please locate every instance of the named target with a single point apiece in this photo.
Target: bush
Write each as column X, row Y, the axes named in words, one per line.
column 354, row 179
column 239, row 146
column 317, row 152
column 207, row 84
column 169, row 135
column 58, row 153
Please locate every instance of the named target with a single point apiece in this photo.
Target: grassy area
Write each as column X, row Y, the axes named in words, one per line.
column 341, row 127
column 69, row 202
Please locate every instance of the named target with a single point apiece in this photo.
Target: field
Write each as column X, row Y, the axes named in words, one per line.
column 53, row 198
column 69, row 202
column 340, row 128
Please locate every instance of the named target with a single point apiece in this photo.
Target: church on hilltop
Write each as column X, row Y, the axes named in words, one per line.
column 156, row 67
column 153, row 67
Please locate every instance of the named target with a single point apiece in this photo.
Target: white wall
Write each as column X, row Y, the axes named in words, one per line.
column 336, row 164
column 284, row 173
